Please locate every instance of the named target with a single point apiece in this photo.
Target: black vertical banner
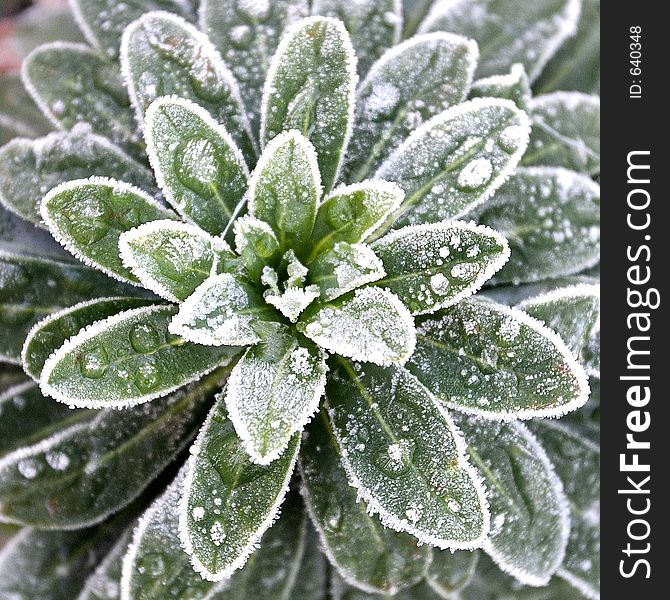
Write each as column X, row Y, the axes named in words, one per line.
column 635, row 388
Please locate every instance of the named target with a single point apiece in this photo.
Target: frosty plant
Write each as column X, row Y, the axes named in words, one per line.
column 282, row 252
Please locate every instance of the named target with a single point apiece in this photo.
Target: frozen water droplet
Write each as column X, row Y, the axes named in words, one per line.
column 93, row 363
column 58, row 461
column 147, row 377
column 198, row 513
column 217, row 533
column 144, row 338
column 512, row 137
column 28, row 467
column 475, row 174
column 333, row 516
column 394, row 460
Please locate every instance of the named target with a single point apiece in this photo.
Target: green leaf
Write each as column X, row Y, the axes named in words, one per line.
column 342, row 591
column 86, row 470
column 257, row 246
column 529, row 511
column 573, row 313
column 566, row 132
column 246, row 34
column 87, row 217
column 217, row 535
column 370, row 325
column 343, row 268
column 53, row 331
column 162, row 55
column 487, row 359
column 73, row 83
column 19, row 116
column 514, row 86
column 586, row 420
column 402, row 452
column 450, row 572
column 34, row 287
column 197, row 164
column 223, row 311
column 433, row 266
column 456, row 160
column 408, row 85
column 577, row 463
column 576, row 65
column 508, row 31
column 365, row 554
column 311, row 581
column 273, row 392
column 311, row 87
column 103, row 24
column 23, row 237
column 374, row 25
column 285, row 188
column 127, row 359
column 30, row 168
column 353, row 213
column 171, row 258
column 104, row 582
column 551, row 218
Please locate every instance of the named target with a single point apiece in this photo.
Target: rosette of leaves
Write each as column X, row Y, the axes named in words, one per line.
column 271, row 226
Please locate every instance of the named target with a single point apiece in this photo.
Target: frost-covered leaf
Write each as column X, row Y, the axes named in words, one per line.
column 162, row 55
column 53, row 331
column 456, row 160
column 87, row 217
column 257, row 246
column 197, row 164
column 529, row 512
column 508, row 31
column 246, row 34
column 343, row 268
column 127, row 359
column 487, row 359
column 551, row 219
column 451, row 571
column 273, row 392
column 566, row 132
column 573, row 313
column 33, row 287
column 21, row 236
column 586, row 420
column 103, row 21
column 576, row 65
column 353, row 213
column 433, row 266
column 84, row 470
column 404, row 455
column 514, row 86
column 218, row 536
column 340, row 590
column 310, row 87
column 73, row 83
column 409, row 84
column 104, row 583
column 19, row 115
column 171, row 258
column 370, row 325
column 30, row 168
column 374, row 25
column 223, row 310
column 366, row 554
column 285, row 188
column 577, row 463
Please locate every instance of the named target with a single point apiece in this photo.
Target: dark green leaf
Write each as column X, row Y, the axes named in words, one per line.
column 19, row 116
column 104, row 583
column 451, row 571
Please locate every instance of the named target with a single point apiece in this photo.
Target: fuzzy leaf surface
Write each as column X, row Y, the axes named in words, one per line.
column 456, row 160
column 403, row 454
column 514, row 86
column 365, row 553
column 433, row 266
column 127, row 359
column 486, row 359
column 408, row 85
column 19, row 115
column 551, row 219
column 310, row 87
column 450, row 572
column 214, row 532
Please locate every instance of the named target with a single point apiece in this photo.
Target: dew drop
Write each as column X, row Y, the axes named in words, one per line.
column 333, row 517
column 144, row 338
column 93, row 363
column 147, row 377
column 395, row 459
column 217, row 533
column 475, row 174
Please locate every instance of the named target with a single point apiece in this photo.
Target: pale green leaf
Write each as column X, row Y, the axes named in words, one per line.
column 104, row 582
column 30, row 168
column 87, row 217
column 366, row 554
column 487, row 359
column 514, row 86
column 311, row 580
column 508, row 31
column 404, row 455
column 370, row 325
column 257, row 245
column 310, row 87
column 410, row 83
column 127, row 359
column 218, row 536
column 433, row 266
column 551, row 219
column 197, row 164
column 456, row 160
column 450, row 572
column 20, row 236
column 19, row 115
